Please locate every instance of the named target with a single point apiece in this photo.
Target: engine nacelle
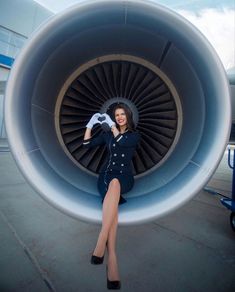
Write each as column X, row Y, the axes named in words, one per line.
column 87, row 59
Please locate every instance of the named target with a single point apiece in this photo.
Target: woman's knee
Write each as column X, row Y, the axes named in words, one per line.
column 114, row 186
column 114, row 183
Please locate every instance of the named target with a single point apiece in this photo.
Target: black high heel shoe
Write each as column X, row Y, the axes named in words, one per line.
column 97, row 260
column 112, row 285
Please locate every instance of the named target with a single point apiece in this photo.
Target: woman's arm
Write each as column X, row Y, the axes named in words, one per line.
column 115, row 131
column 89, row 142
column 87, row 134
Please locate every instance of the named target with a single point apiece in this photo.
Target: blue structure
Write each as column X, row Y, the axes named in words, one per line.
column 6, row 61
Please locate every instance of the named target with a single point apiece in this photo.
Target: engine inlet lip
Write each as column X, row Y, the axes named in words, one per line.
column 119, row 57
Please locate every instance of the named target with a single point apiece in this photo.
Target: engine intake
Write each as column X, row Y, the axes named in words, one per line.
column 92, row 56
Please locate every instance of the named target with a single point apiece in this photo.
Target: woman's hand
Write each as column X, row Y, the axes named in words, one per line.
column 108, row 120
column 94, row 120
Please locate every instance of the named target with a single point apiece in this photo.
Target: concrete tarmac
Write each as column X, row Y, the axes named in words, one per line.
column 41, row 249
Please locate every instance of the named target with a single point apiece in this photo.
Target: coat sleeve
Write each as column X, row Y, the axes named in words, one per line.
column 130, row 140
column 92, row 142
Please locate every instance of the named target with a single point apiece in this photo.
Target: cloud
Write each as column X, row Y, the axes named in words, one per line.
column 218, row 26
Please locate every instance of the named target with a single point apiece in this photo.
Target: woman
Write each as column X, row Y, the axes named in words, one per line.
column 115, row 179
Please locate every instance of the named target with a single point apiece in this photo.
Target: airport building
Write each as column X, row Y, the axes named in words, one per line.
column 18, row 19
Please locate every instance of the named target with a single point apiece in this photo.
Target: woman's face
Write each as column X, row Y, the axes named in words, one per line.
column 120, row 117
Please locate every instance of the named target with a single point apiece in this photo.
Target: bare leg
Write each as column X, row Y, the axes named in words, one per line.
column 113, row 274
column 110, row 208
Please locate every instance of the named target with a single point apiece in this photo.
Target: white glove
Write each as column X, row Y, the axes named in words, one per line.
column 94, row 120
column 108, row 120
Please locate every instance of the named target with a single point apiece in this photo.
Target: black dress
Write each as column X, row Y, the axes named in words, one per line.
column 118, row 165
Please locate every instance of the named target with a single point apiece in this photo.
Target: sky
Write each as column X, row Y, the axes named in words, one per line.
column 214, row 18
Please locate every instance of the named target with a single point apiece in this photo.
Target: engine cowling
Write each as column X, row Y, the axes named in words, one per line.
column 87, row 59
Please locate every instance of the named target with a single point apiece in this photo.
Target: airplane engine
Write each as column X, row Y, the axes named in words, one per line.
column 92, row 56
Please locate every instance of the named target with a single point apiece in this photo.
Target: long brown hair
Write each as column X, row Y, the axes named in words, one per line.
column 129, row 116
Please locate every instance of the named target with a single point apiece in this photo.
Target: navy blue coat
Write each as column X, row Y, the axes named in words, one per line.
column 118, row 165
